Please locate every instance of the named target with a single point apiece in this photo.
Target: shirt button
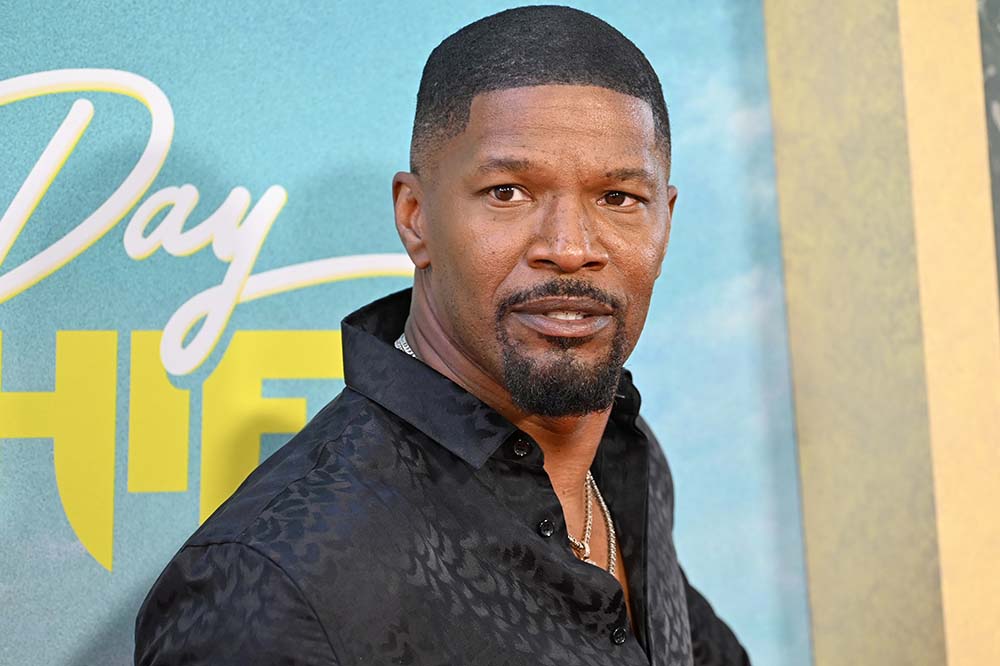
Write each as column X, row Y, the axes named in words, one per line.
column 618, row 635
column 522, row 447
column 546, row 528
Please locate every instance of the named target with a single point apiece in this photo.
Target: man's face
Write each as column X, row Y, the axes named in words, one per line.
column 546, row 222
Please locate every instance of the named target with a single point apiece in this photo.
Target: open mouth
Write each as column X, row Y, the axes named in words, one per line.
column 563, row 317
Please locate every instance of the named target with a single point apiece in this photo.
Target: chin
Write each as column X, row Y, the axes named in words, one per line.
column 558, row 383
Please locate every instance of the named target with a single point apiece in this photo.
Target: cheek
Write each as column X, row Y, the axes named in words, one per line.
column 639, row 262
column 473, row 251
column 638, row 258
column 472, row 255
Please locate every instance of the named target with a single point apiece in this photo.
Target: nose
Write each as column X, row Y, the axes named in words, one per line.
column 566, row 239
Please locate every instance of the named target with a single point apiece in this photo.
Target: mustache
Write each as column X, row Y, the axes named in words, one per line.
column 559, row 287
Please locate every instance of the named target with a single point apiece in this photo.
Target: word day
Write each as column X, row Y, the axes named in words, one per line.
column 234, row 415
column 236, row 231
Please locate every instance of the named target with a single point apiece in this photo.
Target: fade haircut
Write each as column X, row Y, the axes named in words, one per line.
column 527, row 46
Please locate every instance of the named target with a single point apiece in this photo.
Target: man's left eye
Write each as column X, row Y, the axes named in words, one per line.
column 619, row 200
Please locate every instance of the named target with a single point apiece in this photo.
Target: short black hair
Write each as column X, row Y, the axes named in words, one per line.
column 528, row 46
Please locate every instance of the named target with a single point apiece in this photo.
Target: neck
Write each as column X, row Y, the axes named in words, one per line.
column 568, row 443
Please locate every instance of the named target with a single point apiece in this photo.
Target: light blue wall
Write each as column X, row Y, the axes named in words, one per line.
column 319, row 98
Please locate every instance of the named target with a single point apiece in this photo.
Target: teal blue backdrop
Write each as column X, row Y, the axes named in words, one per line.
column 310, row 104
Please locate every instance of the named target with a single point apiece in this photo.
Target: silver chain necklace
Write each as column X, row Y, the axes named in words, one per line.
column 402, row 345
column 581, row 548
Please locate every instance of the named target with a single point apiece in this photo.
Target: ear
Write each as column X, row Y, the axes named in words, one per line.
column 671, row 200
column 408, row 202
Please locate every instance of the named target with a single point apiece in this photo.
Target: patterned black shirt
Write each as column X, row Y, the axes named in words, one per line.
column 410, row 523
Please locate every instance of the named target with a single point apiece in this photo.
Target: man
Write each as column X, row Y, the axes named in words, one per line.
column 484, row 490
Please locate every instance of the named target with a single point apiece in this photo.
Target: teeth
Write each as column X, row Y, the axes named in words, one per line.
column 566, row 316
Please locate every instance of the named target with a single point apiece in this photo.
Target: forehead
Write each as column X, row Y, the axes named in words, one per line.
column 568, row 124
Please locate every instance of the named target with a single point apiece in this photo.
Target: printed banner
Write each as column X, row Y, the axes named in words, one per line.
column 193, row 196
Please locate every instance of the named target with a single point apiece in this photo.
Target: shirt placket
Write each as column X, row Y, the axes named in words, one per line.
column 518, row 480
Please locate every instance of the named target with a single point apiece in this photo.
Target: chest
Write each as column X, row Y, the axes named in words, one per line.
column 473, row 571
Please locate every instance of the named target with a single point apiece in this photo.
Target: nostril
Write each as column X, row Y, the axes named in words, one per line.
column 544, row 263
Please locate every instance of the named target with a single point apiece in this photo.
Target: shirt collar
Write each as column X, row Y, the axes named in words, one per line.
column 424, row 398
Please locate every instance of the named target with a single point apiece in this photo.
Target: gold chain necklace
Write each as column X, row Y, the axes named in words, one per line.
column 582, row 546
column 590, row 490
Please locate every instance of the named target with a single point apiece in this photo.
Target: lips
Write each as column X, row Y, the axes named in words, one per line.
column 563, row 317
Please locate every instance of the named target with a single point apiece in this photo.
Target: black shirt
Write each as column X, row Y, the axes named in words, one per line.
column 410, row 523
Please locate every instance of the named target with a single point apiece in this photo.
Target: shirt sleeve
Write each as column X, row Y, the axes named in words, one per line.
column 713, row 643
column 226, row 604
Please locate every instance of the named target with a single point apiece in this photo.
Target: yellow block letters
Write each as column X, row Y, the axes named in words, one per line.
column 235, row 414
column 159, row 415
column 79, row 416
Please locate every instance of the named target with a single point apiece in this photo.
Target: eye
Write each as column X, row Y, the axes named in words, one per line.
column 617, row 199
column 507, row 194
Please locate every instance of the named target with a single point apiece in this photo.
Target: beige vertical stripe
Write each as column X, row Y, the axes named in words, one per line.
column 953, row 219
column 856, row 341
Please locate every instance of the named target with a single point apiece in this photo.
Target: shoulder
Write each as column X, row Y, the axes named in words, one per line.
column 337, row 490
column 257, row 558
column 225, row 603
column 335, row 444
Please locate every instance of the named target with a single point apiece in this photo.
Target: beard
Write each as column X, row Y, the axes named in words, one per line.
column 562, row 384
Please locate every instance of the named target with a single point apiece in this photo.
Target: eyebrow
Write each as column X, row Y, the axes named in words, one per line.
column 643, row 175
column 504, row 165
column 520, row 165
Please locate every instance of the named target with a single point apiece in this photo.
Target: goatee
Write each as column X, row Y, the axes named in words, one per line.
column 563, row 385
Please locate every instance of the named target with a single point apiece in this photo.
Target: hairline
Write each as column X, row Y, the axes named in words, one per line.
column 419, row 154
